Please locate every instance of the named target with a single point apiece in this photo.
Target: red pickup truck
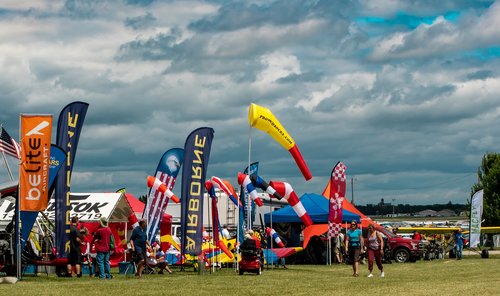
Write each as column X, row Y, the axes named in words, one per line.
column 403, row 249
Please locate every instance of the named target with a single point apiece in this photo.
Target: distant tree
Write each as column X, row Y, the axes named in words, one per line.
column 489, row 180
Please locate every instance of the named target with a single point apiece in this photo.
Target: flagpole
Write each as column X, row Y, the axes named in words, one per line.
column 18, row 218
column 210, row 222
column 236, row 247
column 328, row 253
column 249, row 209
column 271, row 225
column 8, row 167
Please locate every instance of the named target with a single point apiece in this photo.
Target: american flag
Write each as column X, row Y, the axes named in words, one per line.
column 9, row 145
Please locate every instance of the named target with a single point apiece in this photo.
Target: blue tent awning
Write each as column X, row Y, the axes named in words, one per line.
column 316, row 206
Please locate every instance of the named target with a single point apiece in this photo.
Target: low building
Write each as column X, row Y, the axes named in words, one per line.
column 426, row 213
column 446, row 213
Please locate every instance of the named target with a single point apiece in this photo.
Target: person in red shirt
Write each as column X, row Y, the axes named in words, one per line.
column 416, row 235
column 102, row 241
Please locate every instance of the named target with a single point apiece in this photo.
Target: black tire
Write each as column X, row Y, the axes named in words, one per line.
column 485, row 254
column 402, row 255
column 241, row 271
column 10, row 270
column 61, row 271
column 452, row 254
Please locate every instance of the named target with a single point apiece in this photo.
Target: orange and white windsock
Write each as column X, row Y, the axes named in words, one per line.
column 272, row 233
column 244, row 180
column 226, row 187
column 287, row 192
column 132, row 220
column 158, row 185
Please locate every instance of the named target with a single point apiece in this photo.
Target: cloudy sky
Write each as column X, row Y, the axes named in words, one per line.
column 405, row 93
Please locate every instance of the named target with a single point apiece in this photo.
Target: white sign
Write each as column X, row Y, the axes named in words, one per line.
column 87, row 206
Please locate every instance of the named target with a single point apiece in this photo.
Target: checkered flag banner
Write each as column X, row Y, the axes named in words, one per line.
column 335, row 216
column 333, row 230
column 337, row 194
column 339, row 171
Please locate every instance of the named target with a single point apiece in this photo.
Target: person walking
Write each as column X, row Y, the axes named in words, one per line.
column 354, row 246
column 138, row 244
column 339, row 241
column 459, row 243
column 103, row 240
column 375, row 250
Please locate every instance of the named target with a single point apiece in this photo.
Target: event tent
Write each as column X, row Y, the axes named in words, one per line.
column 316, row 206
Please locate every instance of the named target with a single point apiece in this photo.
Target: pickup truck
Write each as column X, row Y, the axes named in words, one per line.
column 403, row 249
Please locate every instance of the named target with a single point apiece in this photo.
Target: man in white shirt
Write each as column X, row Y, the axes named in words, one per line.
column 225, row 232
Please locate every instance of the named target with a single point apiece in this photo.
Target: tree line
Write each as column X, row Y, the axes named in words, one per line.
column 387, row 209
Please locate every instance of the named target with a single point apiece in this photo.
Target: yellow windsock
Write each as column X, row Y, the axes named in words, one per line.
column 263, row 119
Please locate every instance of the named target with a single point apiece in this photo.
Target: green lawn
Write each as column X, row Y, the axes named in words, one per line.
column 471, row 276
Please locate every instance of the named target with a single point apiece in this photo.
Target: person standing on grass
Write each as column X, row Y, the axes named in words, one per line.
column 354, row 246
column 85, row 248
column 337, row 250
column 74, row 255
column 102, row 240
column 375, row 250
column 138, row 244
column 459, row 243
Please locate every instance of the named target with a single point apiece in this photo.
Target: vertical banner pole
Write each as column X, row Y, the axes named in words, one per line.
column 8, row 167
column 249, row 201
column 236, row 247
column 211, row 222
column 271, row 225
column 18, row 218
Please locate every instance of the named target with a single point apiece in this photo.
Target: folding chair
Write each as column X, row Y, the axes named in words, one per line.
column 131, row 264
column 150, row 266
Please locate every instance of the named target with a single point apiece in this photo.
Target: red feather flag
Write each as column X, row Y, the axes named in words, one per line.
column 337, row 194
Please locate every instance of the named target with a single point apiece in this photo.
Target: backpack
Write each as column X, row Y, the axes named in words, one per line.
column 112, row 242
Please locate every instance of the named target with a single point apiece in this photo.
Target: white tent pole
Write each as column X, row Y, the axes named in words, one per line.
column 126, row 237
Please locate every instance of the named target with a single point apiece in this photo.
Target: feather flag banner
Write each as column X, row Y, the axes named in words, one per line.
column 196, row 156
column 263, row 119
column 69, row 127
column 476, row 212
column 36, row 132
column 166, row 172
column 337, row 194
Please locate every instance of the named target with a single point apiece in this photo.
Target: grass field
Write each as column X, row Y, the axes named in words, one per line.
column 470, row 276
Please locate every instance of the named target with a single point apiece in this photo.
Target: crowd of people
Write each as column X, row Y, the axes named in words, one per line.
column 94, row 250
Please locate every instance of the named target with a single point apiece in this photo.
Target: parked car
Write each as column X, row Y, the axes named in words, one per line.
column 403, row 249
